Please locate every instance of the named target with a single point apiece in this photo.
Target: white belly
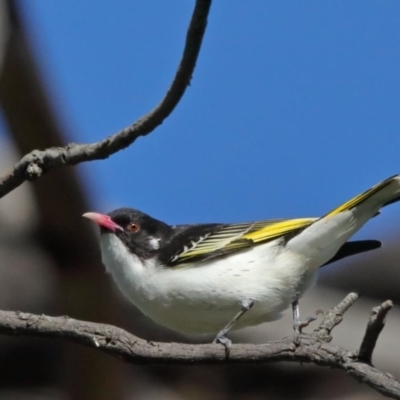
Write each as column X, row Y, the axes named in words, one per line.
column 204, row 297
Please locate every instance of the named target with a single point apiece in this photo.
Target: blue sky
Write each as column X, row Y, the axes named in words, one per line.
column 294, row 106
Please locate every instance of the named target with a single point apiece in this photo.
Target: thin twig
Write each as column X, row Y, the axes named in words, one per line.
column 36, row 163
column 334, row 317
column 375, row 325
column 119, row 343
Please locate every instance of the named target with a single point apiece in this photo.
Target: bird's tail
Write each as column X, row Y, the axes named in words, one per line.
column 322, row 239
column 380, row 195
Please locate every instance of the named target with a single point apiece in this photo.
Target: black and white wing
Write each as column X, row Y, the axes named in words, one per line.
column 194, row 243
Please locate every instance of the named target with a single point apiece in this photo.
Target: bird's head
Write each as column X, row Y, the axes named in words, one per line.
column 140, row 233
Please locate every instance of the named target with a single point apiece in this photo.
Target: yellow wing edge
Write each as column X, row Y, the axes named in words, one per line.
column 257, row 232
column 278, row 229
column 355, row 201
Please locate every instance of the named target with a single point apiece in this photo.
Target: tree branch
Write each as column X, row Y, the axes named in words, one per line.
column 375, row 325
column 335, row 316
column 311, row 348
column 36, row 163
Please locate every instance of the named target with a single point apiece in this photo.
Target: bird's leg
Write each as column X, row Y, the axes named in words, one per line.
column 296, row 317
column 297, row 324
column 221, row 336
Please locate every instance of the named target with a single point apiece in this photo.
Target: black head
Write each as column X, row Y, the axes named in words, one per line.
column 141, row 234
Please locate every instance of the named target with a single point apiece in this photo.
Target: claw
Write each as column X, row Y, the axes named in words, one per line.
column 299, row 325
column 227, row 343
column 309, row 319
column 221, row 336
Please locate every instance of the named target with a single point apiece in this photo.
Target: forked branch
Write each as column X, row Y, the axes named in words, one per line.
column 311, row 348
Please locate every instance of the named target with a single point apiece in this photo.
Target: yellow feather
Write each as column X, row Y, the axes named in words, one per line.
column 278, row 229
column 355, row 201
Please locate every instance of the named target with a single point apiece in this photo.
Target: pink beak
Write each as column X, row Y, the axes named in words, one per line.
column 103, row 220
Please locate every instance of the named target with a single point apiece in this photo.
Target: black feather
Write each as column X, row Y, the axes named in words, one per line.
column 392, row 201
column 182, row 235
column 355, row 247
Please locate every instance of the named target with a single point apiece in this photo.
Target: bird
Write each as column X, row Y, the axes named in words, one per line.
column 214, row 277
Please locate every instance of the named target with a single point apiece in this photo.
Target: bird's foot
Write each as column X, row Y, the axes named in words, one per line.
column 308, row 320
column 227, row 343
column 300, row 325
column 221, row 336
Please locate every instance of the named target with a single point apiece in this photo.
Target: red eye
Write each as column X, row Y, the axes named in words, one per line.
column 132, row 227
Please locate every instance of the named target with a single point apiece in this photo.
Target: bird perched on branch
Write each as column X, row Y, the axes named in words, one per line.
column 209, row 278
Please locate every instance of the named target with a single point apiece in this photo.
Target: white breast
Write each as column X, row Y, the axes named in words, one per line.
column 202, row 298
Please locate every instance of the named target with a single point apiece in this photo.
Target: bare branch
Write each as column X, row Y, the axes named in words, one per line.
column 119, row 343
column 33, row 165
column 335, row 316
column 375, row 325
column 312, row 348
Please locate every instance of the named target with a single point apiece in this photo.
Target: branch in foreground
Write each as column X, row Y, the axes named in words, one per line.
column 375, row 325
column 117, row 342
column 36, row 163
column 335, row 316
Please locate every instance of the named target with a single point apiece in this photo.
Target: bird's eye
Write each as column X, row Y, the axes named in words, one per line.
column 133, row 227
